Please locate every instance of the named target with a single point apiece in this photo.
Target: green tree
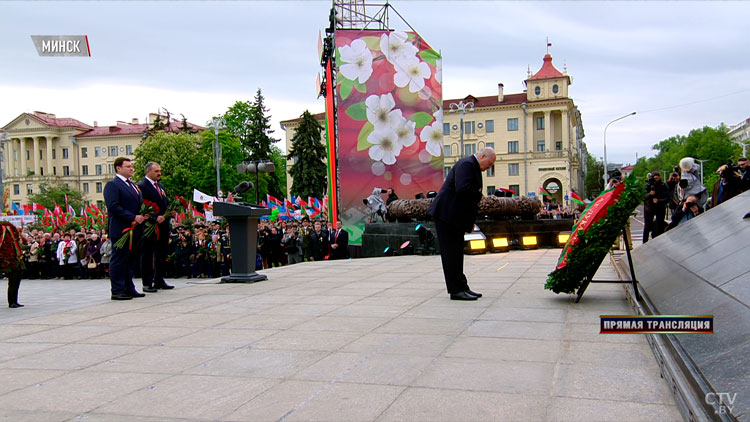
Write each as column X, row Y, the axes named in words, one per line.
column 204, row 176
column 179, row 156
column 54, row 193
column 309, row 170
column 594, row 183
column 707, row 143
column 251, row 124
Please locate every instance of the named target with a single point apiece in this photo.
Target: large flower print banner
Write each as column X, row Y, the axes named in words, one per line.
column 390, row 118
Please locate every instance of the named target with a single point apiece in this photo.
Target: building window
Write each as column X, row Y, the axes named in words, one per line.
column 15, row 155
column 111, row 168
column 490, row 145
column 515, row 188
column 558, row 145
column 469, row 127
column 28, row 155
column 446, row 170
column 41, row 171
column 512, row 147
column 97, row 151
column 85, row 188
column 15, row 172
column 54, row 171
column 84, row 152
column 65, row 153
column 513, row 124
column 490, row 190
column 54, row 153
column 446, row 128
column 491, row 171
column 100, row 204
column 489, row 126
column 469, row 149
column 129, row 149
column 29, row 189
column 85, row 170
column 98, row 187
column 540, row 146
column 539, row 123
column 513, row 169
column 66, row 171
column 16, row 189
column 537, row 90
column 40, row 154
column 555, row 89
column 98, row 169
column 113, row 151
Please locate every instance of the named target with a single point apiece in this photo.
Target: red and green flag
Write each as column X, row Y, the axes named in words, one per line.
column 544, row 192
column 575, row 198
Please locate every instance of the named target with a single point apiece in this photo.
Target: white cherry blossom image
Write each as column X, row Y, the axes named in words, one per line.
column 438, row 115
column 433, row 136
column 395, row 48
column 358, row 61
column 411, row 72
column 439, row 71
column 385, row 146
column 379, row 110
column 405, row 130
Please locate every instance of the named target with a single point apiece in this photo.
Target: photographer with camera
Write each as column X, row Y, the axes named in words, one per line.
column 729, row 184
column 655, row 206
column 690, row 208
column 690, row 182
column 292, row 246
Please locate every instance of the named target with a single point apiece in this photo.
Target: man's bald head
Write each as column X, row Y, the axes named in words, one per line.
column 486, row 158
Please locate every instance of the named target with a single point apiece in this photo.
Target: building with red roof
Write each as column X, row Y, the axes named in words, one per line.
column 39, row 147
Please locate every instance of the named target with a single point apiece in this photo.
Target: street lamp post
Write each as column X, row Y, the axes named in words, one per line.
column 263, row 166
column 462, row 107
column 606, row 174
column 701, row 162
column 218, row 123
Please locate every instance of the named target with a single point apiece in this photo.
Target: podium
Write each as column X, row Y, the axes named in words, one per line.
column 243, row 232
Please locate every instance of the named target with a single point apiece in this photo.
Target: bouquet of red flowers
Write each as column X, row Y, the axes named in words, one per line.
column 147, row 208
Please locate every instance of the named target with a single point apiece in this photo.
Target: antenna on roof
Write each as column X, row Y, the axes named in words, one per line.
column 549, row 44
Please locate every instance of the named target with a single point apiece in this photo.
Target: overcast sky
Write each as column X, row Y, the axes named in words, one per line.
column 679, row 65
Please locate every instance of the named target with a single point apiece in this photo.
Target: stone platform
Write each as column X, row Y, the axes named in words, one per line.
column 368, row 340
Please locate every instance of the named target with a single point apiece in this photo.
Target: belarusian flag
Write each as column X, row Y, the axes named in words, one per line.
column 575, row 198
column 544, row 192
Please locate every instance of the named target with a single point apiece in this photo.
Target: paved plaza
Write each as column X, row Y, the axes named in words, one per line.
column 361, row 340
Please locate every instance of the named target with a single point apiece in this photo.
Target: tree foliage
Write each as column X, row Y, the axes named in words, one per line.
column 250, row 123
column 594, row 182
column 54, row 193
column 179, row 156
column 707, row 143
column 309, row 170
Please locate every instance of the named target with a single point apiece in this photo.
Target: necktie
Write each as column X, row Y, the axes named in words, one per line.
column 133, row 186
column 156, row 186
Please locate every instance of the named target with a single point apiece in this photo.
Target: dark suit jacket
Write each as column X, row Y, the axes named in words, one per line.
column 342, row 240
column 150, row 193
column 458, row 200
column 318, row 245
column 123, row 204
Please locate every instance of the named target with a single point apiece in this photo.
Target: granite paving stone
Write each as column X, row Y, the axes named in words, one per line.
column 361, row 340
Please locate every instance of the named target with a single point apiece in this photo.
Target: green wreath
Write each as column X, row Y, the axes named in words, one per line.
column 585, row 257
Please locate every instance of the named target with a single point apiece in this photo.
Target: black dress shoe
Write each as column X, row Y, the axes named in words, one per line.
column 135, row 294
column 164, row 286
column 473, row 293
column 149, row 289
column 462, row 296
column 121, row 296
column 15, row 305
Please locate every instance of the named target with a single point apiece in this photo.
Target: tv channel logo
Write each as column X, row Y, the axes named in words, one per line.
column 62, row 45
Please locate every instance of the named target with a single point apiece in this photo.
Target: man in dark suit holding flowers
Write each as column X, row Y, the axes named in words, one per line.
column 154, row 248
column 454, row 210
column 123, row 199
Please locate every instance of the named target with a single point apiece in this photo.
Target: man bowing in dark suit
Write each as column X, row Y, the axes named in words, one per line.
column 339, row 240
column 154, row 248
column 123, row 199
column 454, row 210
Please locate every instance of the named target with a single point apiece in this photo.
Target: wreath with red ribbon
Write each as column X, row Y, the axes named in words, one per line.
column 10, row 248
